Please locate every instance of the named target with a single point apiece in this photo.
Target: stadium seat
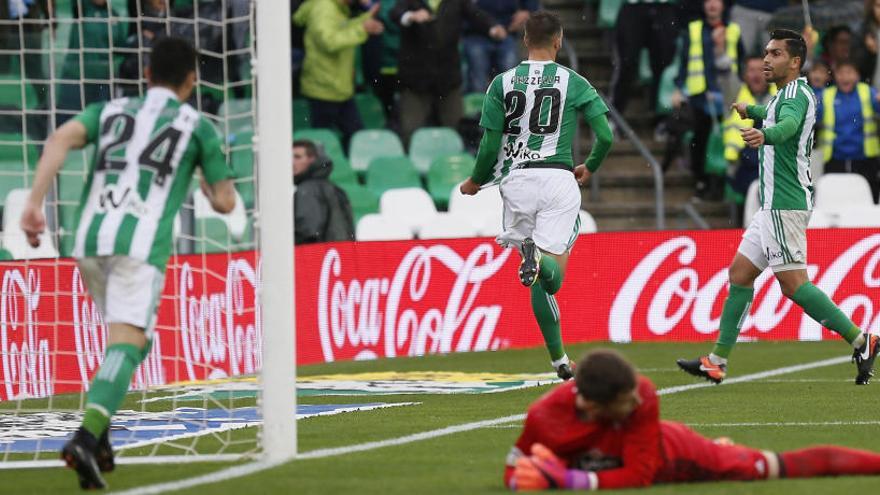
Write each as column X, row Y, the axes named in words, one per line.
column 820, row 219
column 859, row 217
column 236, row 220
column 587, row 223
column 392, row 172
column 376, row 227
column 473, row 105
column 6, row 255
column 485, row 209
column 301, row 115
column 242, row 160
column 13, row 149
column 212, row 236
column 667, row 87
column 342, row 172
column 237, row 115
column 369, row 144
column 13, row 176
column 79, row 160
column 428, row 143
column 608, row 10
column 645, row 74
column 411, row 207
column 752, row 202
column 326, row 138
column 14, row 239
column 447, row 226
column 11, row 93
column 835, row 192
column 446, row 172
column 363, row 201
column 371, row 111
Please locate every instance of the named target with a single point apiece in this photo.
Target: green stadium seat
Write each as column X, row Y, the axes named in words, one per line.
column 79, row 160
column 608, row 10
column 362, row 200
column 242, row 161
column 11, row 93
column 13, row 149
column 667, row 87
column 212, row 236
column 428, row 143
column 369, row 144
column 342, row 172
column 445, row 173
column 715, row 162
column 391, row 172
column 473, row 105
column 301, row 115
column 12, row 176
column 370, row 108
column 6, row 255
column 237, row 115
column 327, row 138
column 645, row 74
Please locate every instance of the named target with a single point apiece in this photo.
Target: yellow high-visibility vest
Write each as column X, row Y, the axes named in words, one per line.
column 696, row 69
column 871, row 144
column 733, row 141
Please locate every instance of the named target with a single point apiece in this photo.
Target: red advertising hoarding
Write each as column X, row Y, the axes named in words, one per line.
column 388, row 299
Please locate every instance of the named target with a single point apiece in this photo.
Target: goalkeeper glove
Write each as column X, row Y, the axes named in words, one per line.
column 544, row 470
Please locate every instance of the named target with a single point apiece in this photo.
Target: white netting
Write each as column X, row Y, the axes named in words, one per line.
column 52, row 64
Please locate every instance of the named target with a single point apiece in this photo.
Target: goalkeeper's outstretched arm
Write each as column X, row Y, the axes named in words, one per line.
column 71, row 135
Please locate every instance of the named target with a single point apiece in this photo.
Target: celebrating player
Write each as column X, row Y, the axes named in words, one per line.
column 777, row 234
column 529, row 117
column 147, row 151
column 603, row 431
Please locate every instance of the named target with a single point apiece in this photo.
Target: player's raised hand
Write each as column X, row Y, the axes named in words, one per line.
column 371, row 25
column 740, row 109
column 498, row 32
column 33, row 223
column 753, row 137
column 582, row 174
column 421, row 15
column 469, row 187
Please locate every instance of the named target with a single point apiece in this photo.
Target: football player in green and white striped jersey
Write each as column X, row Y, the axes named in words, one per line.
column 147, row 150
column 776, row 236
column 530, row 116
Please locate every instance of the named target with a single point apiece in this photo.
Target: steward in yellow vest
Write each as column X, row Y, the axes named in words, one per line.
column 847, row 113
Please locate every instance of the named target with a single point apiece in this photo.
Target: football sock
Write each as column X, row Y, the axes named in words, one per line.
column 547, row 315
column 549, row 274
column 109, row 386
column 828, row 461
column 736, row 308
column 822, row 309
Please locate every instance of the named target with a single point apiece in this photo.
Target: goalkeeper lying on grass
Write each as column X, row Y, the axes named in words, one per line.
column 603, row 430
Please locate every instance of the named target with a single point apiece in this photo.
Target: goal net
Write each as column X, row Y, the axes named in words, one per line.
column 212, row 320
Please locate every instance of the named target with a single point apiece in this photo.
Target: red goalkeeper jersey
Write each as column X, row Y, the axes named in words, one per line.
column 639, row 451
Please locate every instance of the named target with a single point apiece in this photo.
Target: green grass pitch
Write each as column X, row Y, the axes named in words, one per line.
column 472, row 462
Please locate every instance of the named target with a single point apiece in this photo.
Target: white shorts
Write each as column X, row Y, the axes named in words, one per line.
column 125, row 290
column 541, row 203
column 778, row 239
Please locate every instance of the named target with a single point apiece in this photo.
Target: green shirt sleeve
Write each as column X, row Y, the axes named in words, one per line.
column 487, row 155
column 492, row 117
column 602, row 144
column 791, row 114
column 211, row 158
column 756, row 112
column 91, row 119
column 586, row 98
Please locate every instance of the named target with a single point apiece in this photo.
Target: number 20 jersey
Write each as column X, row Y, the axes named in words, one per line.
column 147, row 149
column 536, row 105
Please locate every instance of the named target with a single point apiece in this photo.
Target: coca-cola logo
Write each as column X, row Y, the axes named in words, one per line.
column 210, row 324
column 374, row 316
column 89, row 331
column 682, row 297
column 27, row 367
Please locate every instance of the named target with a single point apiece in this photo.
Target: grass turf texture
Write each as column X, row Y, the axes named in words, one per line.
column 472, row 462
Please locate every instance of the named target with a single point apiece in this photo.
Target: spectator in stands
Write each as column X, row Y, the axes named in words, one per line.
column 429, row 65
column 642, row 24
column 386, row 87
column 711, row 49
column 753, row 17
column 322, row 210
column 847, row 114
column 141, row 36
column 34, row 15
column 819, row 75
column 837, row 46
column 327, row 81
column 743, row 160
column 870, row 37
column 100, row 35
column 486, row 56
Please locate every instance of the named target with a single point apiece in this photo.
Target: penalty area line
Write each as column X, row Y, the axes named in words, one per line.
column 248, row 469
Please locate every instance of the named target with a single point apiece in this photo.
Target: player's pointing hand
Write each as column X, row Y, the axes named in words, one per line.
column 740, row 109
column 753, row 137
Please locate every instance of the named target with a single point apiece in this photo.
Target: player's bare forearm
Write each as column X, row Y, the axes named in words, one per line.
column 221, row 195
column 486, row 156
column 603, row 142
column 71, row 135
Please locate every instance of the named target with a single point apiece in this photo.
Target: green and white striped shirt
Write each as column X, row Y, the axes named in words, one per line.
column 784, row 167
column 536, row 105
column 147, row 151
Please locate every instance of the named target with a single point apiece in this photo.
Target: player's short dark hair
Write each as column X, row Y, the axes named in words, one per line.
column 309, row 145
column 794, row 44
column 602, row 375
column 171, row 61
column 542, row 27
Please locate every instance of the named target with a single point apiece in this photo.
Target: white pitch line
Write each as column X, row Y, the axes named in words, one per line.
column 789, row 423
column 247, row 469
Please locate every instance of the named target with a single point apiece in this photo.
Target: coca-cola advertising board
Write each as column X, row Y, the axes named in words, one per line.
column 387, row 299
